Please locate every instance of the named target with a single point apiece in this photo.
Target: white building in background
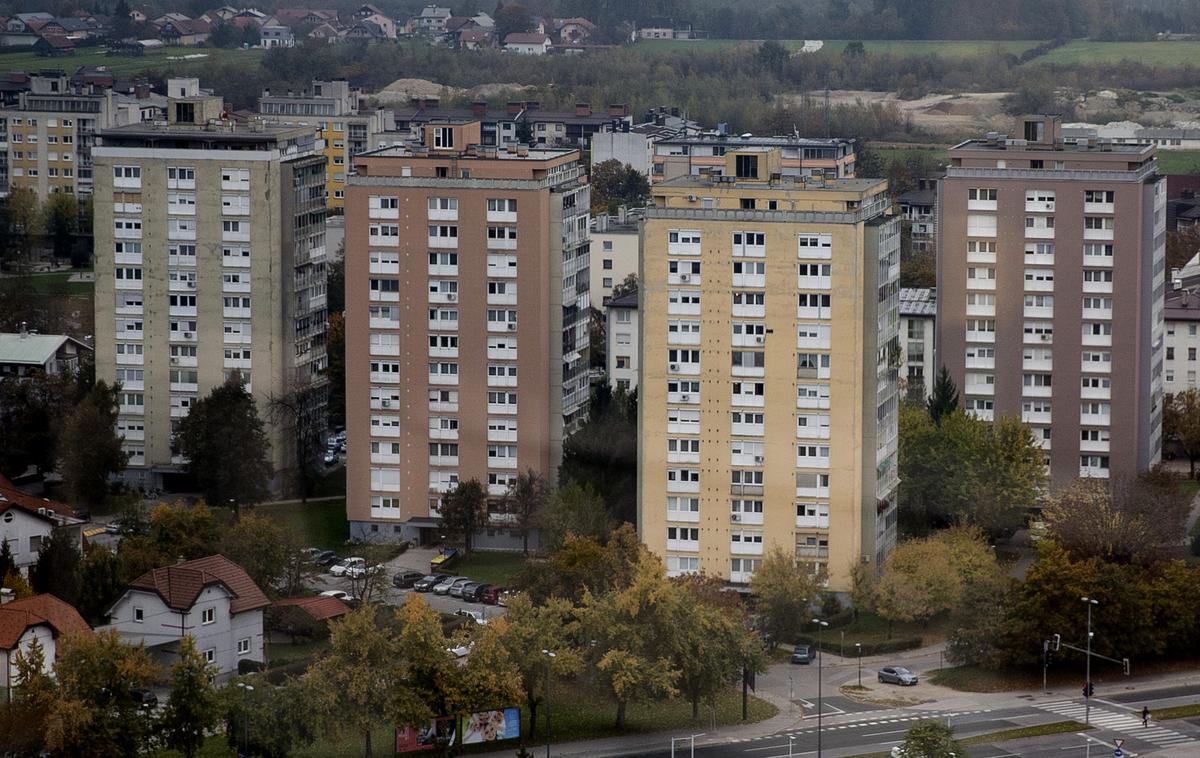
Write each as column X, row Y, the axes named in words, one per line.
column 918, row 361
column 616, row 252
column 622, row 346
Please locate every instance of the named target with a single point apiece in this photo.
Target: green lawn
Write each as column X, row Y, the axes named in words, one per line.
column 1179, row 161
column 333, row 483
column 1085, row 52
column 492, row 567
column 945, row 48
column 125, row 65
column 56, row 283
column 320, row 524
column 869, row 629
column 282, row 653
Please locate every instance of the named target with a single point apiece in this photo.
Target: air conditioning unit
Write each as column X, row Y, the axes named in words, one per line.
column 174, row 361
column 685, row 398
column 758, row 460
column 735, row 517
column 452, row 296
column 673, row 366
column 692, row 198
column 759, row 339
column 1045, row 338
column 187, row 335
column 387, row 403
column 685, row 277
column 191, row 285
column 512, row 327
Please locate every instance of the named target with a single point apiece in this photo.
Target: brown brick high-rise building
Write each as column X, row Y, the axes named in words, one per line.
column 466, row 322
column 1050, row 293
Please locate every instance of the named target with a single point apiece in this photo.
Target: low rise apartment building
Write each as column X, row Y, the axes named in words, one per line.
column 704, row 154
column 616, row 248
column 622, row 348
column 918, row 347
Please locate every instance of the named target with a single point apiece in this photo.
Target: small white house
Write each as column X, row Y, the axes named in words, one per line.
column 527, row 43
column 27, row 521
column 43, row 618
column 213, row 600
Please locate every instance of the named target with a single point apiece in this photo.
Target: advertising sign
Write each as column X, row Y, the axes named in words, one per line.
column 492, row 726
column 427, row 736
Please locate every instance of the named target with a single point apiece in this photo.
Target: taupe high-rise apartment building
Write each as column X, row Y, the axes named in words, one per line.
column 1050, row 293
column 767, row 401
column 210, row 259
column 466, row 321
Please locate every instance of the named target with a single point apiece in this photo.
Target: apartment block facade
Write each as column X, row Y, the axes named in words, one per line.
column 767, row 412
column 210, row 260
column 467, row 313
column 1033, row 236
column 695, row 155
column 346, row 126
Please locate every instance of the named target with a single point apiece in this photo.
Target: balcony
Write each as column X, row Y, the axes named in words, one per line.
column 814, row 282
column 1096, row 340
column 385, row 430
column 1103, row 261
column 179, row 412
column 981, row 205
column 382, row 267
column 744, row 429
column 1094, row 287
column 129, row 259
column 181, row 310
column 236, row 286
column 1098, row 313
column 687, row 369
column 683, row 456
column 744, row 400
column 500, row 217
column 1039, row 311
column 442, row 297
column 434, row 352
column 503, row 409
column 1087, row 418
column 745, row 517
column 129, row 284
column 987, row 285
column 816, row 461
column 1034, row 390
column 747, row 310
column 1095, row 367
column 232, row 235
column 678, row 485
column 1037, row 364
column 1039, row 232
column 497, row 490
column 1095, row 393
column 130, row 309
column 690, row 398
column 1036, row 417
column 986, row 311
column 751, row 371
column 493, row 243
column 1093, row 472
column 1094, row 446
column 1039, row 259
column 741, row 547
column 683, row 546
column 819, row 431
column 1109, row 208
column 435, row 324
column 135, row 410
column 235, row 312
column 683, row 309
column 821, row 312
column 983, row 414
column 684, row 278
column 977, row 256
column 684, row 248
column 501, row 326
column 820, row 342
column 812, row 552
column 386, row 377
column 812, row 522
column 984, row 362
column 1039, row 206
column 1105, row 235
column 502, row 298
column 983, row 337
column 739, row 340
column 438, row 379
column 392, row 240
column 748, row 280
column 439, row 460
column 505, row 353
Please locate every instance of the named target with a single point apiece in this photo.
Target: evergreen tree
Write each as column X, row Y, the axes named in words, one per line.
column 226, row 446
column 464, row 509
column 944, row 398
column 91, row 449
column 57, row 567
column 193, row 707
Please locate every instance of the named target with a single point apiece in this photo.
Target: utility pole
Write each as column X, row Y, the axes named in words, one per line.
column 1087, row 686
column 820, row 699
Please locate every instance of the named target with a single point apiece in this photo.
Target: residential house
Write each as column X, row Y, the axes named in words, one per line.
column 41, row 618
column 697, row 155
column 919, row 207
column 519, row 121
column 305, row 616
column 53, row 46
column 372, row 28
column 326, row 31
column 573, row 31
column 23, row 353
column 274, row 34
column 431, row 20
column 621, row 335
column 76, row 29
column 26, row 521
column 666, row 28
column 211, row 599
column 303, row 17
column 918, row 361
column 527, row 43
column 476, row 39
column 185, row 32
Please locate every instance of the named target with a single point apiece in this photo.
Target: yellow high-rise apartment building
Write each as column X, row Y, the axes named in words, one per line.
column 769, row 354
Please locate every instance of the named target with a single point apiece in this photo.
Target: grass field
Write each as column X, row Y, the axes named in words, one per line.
column 1164, row 54
column 56, row 284
column 1179, row 161
column 124, row 65
column 492, row 567
column 320, row 524
column 945, row 48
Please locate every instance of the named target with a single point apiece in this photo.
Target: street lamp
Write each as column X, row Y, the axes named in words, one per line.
column 858, row 647
column 1087, row 683
column 549, row 662
column 246, row 688
column 820, row 701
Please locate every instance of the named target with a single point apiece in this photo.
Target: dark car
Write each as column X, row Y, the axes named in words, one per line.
column 325, row 558
column 428, row 582
column 144, row 698
column 406, row 579
column 897, row 675
column 490, row 594
column 477, row 592
column 804, row 654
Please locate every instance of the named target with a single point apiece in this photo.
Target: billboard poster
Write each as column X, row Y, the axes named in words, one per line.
column 492, row 726
column 438, row 731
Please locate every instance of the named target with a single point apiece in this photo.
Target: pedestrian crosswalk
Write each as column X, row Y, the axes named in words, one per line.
column 1124, row 723
column 889, row 717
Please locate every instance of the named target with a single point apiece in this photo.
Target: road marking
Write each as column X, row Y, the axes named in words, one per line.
column 1118, row 722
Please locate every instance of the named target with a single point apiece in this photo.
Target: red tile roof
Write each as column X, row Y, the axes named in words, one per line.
column 19, row 615
column 11, row 496
column 179, row 585
column 320, row 608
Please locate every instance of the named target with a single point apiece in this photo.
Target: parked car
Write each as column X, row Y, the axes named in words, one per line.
column 428, row 582
column 489, row 593
column 359, row 571
column 897, row 675
column 804, row 654
column 467, row 590
column 477, row 592
column 443, row 587
column 330, row 458
column 343, row 567
column 457, row 588
column 325, row 558
column 475, row 616
column 342, row 595
column 503, row 596
column 145, row 699
column 406, row 579
column 341, row 437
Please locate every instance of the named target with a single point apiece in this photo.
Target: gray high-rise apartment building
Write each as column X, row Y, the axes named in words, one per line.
column 1050, row 293
column 210, row 259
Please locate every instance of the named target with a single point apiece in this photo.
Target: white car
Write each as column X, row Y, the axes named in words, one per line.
column 348, row 565
column 358, row 571
column 476, row 616
column 342, row 595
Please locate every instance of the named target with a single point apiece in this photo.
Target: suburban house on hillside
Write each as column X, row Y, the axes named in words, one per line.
column 26, row 521
column 211, row 599
column 44, row 618
column 23, row 353
column 527, row 43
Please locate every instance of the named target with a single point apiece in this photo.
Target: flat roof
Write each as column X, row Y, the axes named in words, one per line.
column 776, row 141
column 486, row 152
column 918, row 301
column 1066, row 149
column 258, row 132
column 694, row 181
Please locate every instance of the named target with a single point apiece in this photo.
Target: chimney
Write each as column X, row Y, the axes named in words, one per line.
column 675, row 112
column 479, row 108
column 24, row 330
column 583, row 109
column 141, row 90
column 619, row 110
column 7, row 595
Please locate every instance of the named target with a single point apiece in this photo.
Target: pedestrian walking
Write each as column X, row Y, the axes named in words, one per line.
column 1145, row 716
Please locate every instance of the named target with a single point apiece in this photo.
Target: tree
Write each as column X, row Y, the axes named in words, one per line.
column 464, row 509
column 7, row 563
column 362, row 681
column 122, row 24
column 943, row 400
column 25, row 217
column 302, row 411
column 100, row 584
column 603, row 454
column 1123, row 521
column 226, row 446
column 626, row 286
column 90, row 447
column 1182, row 245
column 92, row 711
column 267, row 721
column 1181, row 424
column 183, row 531
column 772, row 57
column 635, row 637
column 260, row 546
column 584, row 564
column 530, row 629
column 615, row 184
column 61, row 221
column 512, row 18
column 919, row 270
column 57, row 569
column 925, row 577
column 193, row 708
column 31, row 412
column 713, row 645
column 23, row 720
column 931, row 739
column 574, row 509
column 784, row 592
column 526, row 501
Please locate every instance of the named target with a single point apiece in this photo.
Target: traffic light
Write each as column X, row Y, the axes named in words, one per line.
column 1089, row 689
